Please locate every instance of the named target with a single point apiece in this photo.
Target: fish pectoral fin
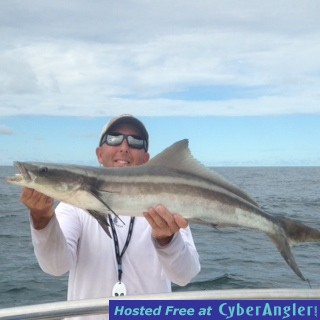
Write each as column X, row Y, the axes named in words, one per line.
column 98, row 196
column 102, row 219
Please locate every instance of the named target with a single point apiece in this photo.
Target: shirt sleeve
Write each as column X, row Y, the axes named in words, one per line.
column 179, row 258
column 55, row 246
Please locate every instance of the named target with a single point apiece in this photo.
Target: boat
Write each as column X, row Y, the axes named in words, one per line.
column 65, row 309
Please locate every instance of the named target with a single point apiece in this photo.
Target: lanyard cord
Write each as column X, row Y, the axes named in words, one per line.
column 116, row 244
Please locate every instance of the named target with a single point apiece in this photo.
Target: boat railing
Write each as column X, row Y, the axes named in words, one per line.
column 65, row 309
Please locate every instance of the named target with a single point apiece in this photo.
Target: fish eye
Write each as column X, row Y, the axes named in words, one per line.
column 43, row 170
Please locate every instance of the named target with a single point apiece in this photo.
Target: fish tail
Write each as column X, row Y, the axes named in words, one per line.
column 293, row 232
column 283, row 246
column 297, row 232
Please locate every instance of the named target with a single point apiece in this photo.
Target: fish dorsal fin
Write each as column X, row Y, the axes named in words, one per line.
column 173, row 157
column 178, row 157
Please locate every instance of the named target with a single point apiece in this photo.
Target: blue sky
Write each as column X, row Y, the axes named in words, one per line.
column 215, row 141
column 241, row 81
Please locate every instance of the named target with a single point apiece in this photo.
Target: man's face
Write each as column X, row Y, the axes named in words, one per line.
column 122, row 155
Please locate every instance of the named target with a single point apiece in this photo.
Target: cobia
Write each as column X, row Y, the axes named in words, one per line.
column 174, row 179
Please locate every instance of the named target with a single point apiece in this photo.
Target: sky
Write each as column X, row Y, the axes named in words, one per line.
column 239, row 79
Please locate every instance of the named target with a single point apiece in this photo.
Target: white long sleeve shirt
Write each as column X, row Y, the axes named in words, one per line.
column 74, row 242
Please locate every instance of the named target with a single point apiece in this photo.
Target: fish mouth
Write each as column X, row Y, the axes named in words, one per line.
column 23, row 174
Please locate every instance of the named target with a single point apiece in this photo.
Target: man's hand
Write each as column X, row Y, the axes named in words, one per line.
column 164, row 224
column 40, row 205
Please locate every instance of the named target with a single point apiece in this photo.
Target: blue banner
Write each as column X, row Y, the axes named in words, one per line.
column 213, row 309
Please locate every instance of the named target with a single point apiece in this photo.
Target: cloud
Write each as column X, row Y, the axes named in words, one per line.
column 160, row 58
column 5, row 130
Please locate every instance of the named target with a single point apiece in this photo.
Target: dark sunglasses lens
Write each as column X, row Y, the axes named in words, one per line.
column 133, row 142
column 113, row 140
column 136, row 143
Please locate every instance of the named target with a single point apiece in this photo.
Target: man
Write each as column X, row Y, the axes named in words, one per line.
column 144, row 255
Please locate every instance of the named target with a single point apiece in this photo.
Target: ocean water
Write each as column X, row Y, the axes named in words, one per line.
column 230, row 258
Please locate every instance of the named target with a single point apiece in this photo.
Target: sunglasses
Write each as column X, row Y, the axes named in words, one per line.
column 116, row 139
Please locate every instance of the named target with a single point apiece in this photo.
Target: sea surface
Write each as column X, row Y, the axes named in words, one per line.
column 230, row 258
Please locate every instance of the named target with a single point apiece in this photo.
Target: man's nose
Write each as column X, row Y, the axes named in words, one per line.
column 124, row 145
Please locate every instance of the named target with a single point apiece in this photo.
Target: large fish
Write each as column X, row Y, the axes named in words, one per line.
column 172, row 178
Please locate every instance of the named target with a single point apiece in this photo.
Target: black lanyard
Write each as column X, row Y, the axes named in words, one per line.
column 116, row 244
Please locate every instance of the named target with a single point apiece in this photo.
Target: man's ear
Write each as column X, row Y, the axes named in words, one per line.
column 98, row 153
column 146, row 157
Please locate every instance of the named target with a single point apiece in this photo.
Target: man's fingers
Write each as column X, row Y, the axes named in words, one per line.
column 35, row 200
column 180, row 221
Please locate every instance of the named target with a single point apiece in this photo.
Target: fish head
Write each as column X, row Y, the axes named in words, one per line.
column 54, row 180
